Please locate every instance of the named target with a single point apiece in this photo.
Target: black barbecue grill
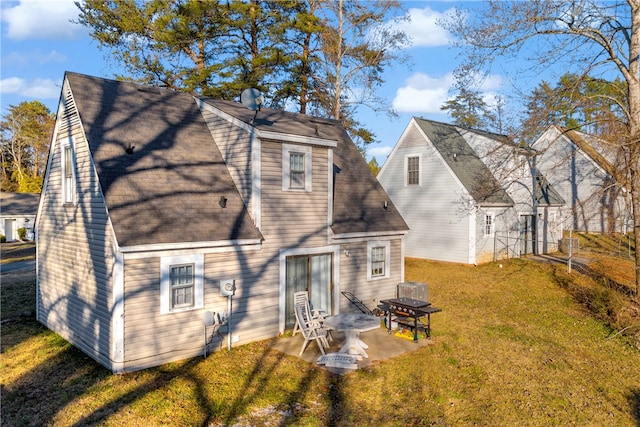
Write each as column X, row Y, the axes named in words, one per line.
column 408, row 312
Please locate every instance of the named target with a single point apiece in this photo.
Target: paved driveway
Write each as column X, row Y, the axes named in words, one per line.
column 28, row 266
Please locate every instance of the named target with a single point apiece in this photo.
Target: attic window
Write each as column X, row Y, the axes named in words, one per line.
column 296, row 168
column 488, row 224
column 68, row 172
column 413, row 165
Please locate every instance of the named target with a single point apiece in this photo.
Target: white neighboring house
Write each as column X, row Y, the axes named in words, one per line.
column 468, row 196
column 18, row 210
column 579, row 166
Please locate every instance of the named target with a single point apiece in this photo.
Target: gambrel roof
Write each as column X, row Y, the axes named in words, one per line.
column 162, row 174
column 463, row 161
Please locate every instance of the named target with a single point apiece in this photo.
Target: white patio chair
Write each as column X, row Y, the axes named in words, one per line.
column 311, row 331
column 301, row 298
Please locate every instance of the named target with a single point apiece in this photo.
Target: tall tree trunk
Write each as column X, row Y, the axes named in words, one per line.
column 335, row 111
column 633, row 84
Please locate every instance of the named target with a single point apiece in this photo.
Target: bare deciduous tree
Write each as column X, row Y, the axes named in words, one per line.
column 590, row 37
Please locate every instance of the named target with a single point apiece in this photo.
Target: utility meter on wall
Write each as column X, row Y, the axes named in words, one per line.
column 227, row 287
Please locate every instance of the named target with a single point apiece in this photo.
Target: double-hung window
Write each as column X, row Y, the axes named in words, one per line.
column 68, row 172
column 182, row 286
column 181, row 283
column 296, row 167
column 488, row 225
column 378, row 259
column 412, row 170
column 296, row 171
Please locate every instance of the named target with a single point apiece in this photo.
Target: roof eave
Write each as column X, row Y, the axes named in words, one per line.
column 190, row 245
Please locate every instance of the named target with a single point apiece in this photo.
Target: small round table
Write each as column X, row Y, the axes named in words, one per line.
column 352, row 324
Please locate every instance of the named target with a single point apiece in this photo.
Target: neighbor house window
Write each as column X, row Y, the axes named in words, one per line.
column 378, row 259
column 488, row 225
column 68, row 173
column 181, row 283
column 296, row 167
column 412, row 170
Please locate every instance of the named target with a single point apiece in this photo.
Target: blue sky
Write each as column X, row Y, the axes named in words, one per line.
column 39, row 43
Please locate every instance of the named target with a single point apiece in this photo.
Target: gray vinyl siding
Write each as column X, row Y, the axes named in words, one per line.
column 435, row 212
column 152, row 338
column 579, row 181
column 353, row 276
column 74, row 251
column 235, row 145
column 290, row 220
column 294, row 218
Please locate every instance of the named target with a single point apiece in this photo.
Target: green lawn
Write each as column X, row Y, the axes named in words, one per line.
column 512, row 347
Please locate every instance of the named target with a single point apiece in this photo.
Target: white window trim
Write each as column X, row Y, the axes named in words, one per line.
column 493, row 225
column 387, row 258
column 165, row 281
column 406, row 170
column 287, row 149
column 67, row 144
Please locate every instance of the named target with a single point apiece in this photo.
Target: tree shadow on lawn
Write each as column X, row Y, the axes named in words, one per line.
column 634, row 404
column 40, row 395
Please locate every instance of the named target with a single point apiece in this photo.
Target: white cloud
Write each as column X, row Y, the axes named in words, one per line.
column 425, row 95
column 28, row 59
column 41, row 19
column 380, row 153
column 36, row 88
column 422, row 94
column 423, row 29
column 11, row 85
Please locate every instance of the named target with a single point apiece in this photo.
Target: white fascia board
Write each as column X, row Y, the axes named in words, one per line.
column 300, row 139
column 228, row 117
column 52, row 147
column 152, row 250
column 256, row 179
column 495, row 205
column 361, row 237
column 330, row 195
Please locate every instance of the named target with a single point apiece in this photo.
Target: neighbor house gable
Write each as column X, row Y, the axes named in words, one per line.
column 466, row 165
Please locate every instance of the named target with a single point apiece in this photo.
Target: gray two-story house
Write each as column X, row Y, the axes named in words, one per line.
column 154, row 200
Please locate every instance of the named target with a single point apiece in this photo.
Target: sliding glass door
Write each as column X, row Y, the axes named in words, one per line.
column 311, row 273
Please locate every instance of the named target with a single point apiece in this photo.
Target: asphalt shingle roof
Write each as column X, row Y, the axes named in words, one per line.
column 19, row 204
column 359, row 199
column 169, row 188
column 474, row 175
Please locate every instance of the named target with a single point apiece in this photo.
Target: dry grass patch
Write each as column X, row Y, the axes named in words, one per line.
column 510, row 348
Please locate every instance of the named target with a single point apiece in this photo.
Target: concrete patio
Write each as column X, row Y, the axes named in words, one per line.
column 382, row 346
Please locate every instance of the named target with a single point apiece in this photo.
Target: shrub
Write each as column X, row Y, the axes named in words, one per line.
column 22, row 233
column 3, row 238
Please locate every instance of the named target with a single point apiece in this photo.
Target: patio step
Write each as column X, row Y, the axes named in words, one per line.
column 338, row 360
